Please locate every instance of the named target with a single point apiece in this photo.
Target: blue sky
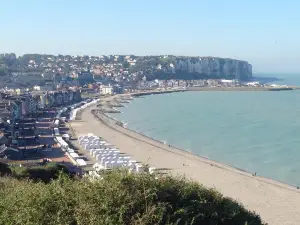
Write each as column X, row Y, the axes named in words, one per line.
column 239, row 29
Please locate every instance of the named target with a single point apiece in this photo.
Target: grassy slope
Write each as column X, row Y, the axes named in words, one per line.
column 119, row 198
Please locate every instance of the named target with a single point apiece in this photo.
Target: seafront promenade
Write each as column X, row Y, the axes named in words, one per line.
column 277, row 203
column 244, row 88
column 221, row 88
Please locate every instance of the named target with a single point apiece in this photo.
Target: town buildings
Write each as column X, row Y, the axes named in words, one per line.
column 22, row 105
column 49, row 72
column 18, row 115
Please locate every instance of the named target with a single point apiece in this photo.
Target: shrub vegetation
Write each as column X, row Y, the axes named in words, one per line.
column 117, row 199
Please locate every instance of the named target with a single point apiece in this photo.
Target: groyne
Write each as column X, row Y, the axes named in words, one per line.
column 156, row 92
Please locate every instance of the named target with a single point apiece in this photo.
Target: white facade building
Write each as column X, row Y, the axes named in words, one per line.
column 228, row 82
column 106, row 90
column 254, row 84
column 36, row 88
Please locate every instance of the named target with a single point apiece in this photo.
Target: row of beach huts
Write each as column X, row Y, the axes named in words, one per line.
column 105, row 154
column 109, row 157
column 60, row 138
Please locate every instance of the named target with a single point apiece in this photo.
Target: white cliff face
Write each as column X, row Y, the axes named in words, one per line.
column 171, row 68
column 215, row 67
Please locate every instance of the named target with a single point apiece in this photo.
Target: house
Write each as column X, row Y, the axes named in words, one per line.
column 3, row 139
column 18, row 91
column 253, row 84
column 106, row 90
column 85, row 78
column 36, row 88
column 3, row 144
column 212, row 83
column 118, row 89
column 228, row 82
column 16, row 109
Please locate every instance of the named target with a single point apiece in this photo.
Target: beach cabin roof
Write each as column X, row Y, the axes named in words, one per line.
column 81, row 162
column 74, row 155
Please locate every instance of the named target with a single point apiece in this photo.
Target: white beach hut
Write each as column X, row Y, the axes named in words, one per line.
column 71, row 150
column 139, row 168
column 74, row 155
column 81, row 162
column 104, row 159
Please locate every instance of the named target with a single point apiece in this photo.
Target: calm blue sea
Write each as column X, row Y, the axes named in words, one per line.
column 255, row 131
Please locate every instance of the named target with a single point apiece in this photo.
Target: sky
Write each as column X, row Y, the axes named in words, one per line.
column 265, row 33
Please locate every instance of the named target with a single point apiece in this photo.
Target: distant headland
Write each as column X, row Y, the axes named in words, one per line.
column 50, row 70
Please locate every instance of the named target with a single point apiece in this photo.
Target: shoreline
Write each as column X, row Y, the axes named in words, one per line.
column 117, row 123
column 206, row 160
column 225, row 166
column 108, row 107
column 207, row 88
column 275, row 201
column 250, row 89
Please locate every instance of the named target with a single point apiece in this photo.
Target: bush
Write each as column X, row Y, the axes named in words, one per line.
column 119, row 198
column 4, row 169
column 39, row 173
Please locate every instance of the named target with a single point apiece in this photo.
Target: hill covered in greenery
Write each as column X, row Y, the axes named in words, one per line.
column 118, row 198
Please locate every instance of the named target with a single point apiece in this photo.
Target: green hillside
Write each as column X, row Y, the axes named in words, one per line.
column 119, row 198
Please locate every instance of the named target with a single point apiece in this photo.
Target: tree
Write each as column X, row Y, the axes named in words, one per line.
column 3, row 72
column 4, row 169
column 126, row 65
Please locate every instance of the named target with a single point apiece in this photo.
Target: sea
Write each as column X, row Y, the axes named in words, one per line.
column 258, row 132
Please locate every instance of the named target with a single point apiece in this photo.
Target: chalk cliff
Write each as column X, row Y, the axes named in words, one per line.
column 214, row 67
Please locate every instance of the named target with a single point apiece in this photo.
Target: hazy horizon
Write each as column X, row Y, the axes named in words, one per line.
column 262, row 33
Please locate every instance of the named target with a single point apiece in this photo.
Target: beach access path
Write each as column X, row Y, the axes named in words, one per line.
column 275, row 202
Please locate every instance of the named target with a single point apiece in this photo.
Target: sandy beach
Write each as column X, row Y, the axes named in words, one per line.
column 275, row 202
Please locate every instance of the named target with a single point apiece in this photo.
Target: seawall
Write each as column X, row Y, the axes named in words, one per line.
column 290, row 88
column 155, row 92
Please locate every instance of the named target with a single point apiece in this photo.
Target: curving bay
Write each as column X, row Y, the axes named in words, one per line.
column 255, row 131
